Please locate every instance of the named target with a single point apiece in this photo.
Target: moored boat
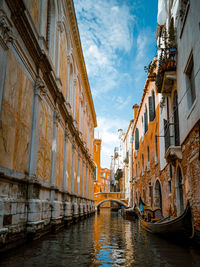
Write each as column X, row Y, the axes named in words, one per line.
column 153, row 221
column 129, row 214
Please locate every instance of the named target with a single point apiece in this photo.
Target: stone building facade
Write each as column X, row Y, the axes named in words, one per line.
column 166, row 149
column 47, row 120
column 178, row 82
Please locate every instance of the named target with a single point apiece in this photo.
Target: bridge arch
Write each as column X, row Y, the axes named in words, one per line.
column 111, row 200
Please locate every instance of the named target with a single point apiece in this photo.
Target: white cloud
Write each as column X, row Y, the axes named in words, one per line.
column 106, row 28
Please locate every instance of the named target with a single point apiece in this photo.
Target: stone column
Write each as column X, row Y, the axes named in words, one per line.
column 34, row 222
column 73, row 151
column 68, row 80
column 56, row 207
column 83, row 177
column 78, row 176
column 65, row 161
column 39, row 93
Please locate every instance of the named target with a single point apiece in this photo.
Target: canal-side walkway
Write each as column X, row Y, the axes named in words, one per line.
column 105, row 239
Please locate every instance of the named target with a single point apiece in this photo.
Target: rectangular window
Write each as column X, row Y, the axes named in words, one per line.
column 190, row 82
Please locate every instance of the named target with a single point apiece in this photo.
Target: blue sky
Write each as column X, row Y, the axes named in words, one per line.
column 118, row 40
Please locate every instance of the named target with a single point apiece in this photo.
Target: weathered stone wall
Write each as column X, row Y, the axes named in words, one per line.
column 41, row 147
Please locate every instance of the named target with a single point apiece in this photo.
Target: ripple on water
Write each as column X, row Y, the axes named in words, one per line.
column 102, row 240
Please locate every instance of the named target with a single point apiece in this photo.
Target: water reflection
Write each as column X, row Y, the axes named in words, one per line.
column 103, row 240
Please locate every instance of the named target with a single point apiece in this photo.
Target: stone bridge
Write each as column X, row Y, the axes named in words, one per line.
column 100, row 198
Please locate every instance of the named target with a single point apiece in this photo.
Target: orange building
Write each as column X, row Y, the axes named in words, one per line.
column 97, row 161
column 102, row 175
column 146, row 172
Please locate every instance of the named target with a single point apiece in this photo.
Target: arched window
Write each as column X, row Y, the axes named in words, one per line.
column 158, row 195
column 50, row 27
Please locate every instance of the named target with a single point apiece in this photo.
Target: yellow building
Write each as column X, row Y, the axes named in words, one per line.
column 47, row 119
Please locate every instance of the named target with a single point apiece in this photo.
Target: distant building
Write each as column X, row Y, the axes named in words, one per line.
column 128, row 162
column 105, row 180
column 102, row 175
column 116, row 166
column 97, row 161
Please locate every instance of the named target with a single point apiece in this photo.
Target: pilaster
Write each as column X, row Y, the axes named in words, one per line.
column 39, row 93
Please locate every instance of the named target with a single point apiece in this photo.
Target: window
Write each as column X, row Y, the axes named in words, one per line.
column 148, row 158
column 145, row 120
column 156, row 148
column 152, row 113
column 176, row 120
column 138, row 169
column 169, row 186
column 136, row 172
column 142, row 164
column 50, row 27
column 136, row 139
column 190, row 82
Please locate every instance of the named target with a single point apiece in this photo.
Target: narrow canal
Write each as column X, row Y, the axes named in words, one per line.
column 105, row 239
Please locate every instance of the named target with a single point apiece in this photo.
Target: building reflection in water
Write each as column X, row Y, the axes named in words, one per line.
column 105, row 239
column 112, row 239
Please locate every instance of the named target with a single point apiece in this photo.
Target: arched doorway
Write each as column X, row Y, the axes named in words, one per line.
column 158, row 195
column 179, row 191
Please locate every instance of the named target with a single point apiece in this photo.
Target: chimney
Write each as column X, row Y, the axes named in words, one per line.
column 135, row 108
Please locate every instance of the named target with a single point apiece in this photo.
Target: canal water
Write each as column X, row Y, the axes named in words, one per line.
column 105, row 239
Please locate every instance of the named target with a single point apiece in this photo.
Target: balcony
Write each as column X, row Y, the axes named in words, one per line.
column 166, row 75
column 172, row 144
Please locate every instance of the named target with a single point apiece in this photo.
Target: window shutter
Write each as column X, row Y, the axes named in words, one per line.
column 176, row 121
column 145, row 122
column 136, row 139
column 151, row 114
column 153, row 105
column 166, row 134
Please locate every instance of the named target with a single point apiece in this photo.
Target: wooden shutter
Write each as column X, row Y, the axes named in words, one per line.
column 136, row 139
column 153, row 105
column 166, row 134
column 151, row 114
column 145, row 122
column 176, row 121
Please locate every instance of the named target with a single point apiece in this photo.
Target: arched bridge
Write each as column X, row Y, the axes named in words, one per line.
column 100, row 198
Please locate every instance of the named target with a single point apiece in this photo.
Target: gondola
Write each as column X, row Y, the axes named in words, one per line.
column 129, row 214
column 153, row 221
